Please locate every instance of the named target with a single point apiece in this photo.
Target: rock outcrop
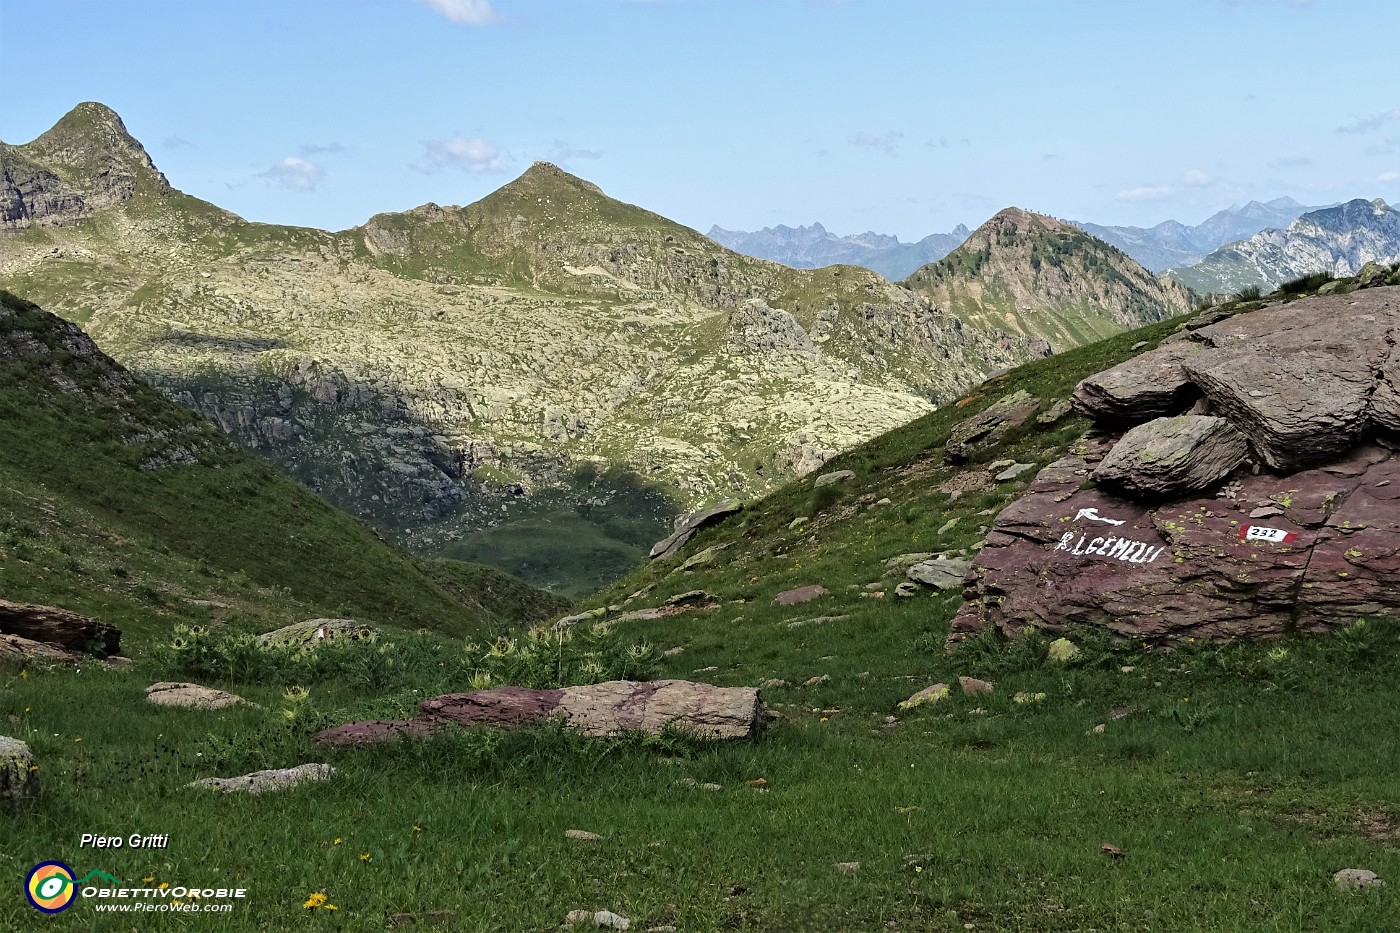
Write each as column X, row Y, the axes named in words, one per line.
column 19, row 779
column 989, row 426
column 314, row 631
column 190, row 696
column 59, row 628
column 264, row 782
column 1170, row 456
column 688, row 525
column 1303, row 537
column 596, row 709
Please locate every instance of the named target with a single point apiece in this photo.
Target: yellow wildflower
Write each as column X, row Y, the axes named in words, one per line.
column 148, row 879
column 315, row 900
column 331, row 907
column 417, row 829
column 338, row 841
column 364, row 856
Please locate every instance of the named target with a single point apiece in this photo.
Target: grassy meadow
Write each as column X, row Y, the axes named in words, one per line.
column 1235, row 779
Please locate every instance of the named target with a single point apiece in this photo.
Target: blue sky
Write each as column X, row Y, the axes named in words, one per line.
column 901, row 117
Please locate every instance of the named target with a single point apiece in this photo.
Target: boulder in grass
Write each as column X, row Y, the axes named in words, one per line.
column 988, row 427
column 688, row 525
column 19, row 778
column 1173, row 456
column 314, row 631
column 13, row 646
column 610, row 708
column 190, row 696
column 264, row 782
column 60, row 628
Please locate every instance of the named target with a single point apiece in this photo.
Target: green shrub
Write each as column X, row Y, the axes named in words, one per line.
column 1304, row 285
column 1248, row 293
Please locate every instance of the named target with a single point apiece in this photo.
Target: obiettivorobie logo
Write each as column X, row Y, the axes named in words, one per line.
column 51, row 887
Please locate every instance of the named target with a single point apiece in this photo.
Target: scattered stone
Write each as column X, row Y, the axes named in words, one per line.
column 971, row 686
column 117, row 662
column 996, row 466
column 1099, row 729
column 900, row 562
column 704, row 558
column 773, row 683
column 263, row 782
column 817, row 620
column 664, row 928
column 690, row 598
column 1354, row 879
column 1266, row 511
column 798, row 522
column 941, row 573
column 706, row 670
column 930, row 694
column 906, row 589
column 1140, row 345
column 1055, row 412
column 1014, row 471
column 692, row 783
column 687, row 525
column 818, row 679
column 1061, row 651
column 948, row 526
column 1112, row 851
column 848, row 868
column 582, row 835
column 989, row 427
column 672, row 652
column 59, row 628
column 802, row 594
column 1024, row 696
column 314, row 631
column 1170, row 456
column 19, row 777
column 595, row 709
column 191, row 696
column 836, row 476
column 884, row 500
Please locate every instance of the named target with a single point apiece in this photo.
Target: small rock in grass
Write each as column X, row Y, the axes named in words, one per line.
column 974, row 687
column 885, row 501
column 948, row 526
column 1027, row 697
column 906, row 590
column 1112, row 851
column 262, row 782
column 773, row 683
column 1062, row 650
column 930, row 694
column 798, row 522
column 1014, row 472
column 836, row 476
column 848, row 868
column 664, row 928
column 19, row 781
column 190, row 696
column 1099, row 729
column 581, row 834
column 802, row 594
column 607, row 920
column 706, row 670
column 815, row 681
column 1352, row 879
column 672, row 652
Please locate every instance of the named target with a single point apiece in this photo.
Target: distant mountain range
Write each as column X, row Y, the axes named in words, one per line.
column 1337, row 240
column 1171, row 244
column 813, row 247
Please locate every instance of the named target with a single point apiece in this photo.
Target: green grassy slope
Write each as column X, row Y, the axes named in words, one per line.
column 83, row 526
column 1235, row 778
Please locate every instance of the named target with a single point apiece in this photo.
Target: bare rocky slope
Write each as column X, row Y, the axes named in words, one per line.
column 439, row 371
column 1033, row 275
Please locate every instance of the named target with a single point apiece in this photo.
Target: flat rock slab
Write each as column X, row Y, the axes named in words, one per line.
column 1304, row 381
column 602, row 709
column 264, row 782
column 689, row 524
column 802, row 594
column 315, row 631
column 1194, row 566
column 1174, row 455
column 60, row 628
column 19, row 780
column 191, row 696
column 13, row 646
column 941, row 573
column 987, row 428
column 836, row 476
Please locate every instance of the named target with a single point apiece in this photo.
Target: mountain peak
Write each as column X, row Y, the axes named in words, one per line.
column 548, row 175
column 1015, row 220
column 92, row 141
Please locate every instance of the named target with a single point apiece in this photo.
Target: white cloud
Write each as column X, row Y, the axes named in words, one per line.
column 561, row 153
column 294, row 174
column 1144, row 193
column 1371, row 124
column 470, row 12
column 466, row 155
column 1197, row 179
column 885, row 141
column 1388, row 176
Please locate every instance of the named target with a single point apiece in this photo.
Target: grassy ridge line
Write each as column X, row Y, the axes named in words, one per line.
column 83, row 526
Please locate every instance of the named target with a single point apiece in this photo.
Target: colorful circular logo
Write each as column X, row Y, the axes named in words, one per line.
column 50, row 887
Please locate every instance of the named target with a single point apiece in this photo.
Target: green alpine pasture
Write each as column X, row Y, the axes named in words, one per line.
column 1233, row 779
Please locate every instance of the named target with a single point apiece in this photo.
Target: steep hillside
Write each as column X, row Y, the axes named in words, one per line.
column 1173, row 244
column 1336, row 240
column 813, row 247
column 450, row 371
column 118, row 503
column 1035, row 276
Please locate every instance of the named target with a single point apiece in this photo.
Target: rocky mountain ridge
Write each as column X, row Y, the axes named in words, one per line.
column 1172, row 244
column 1036, row 276
column 1336, row 240
column 814, row 246
column 437, row 370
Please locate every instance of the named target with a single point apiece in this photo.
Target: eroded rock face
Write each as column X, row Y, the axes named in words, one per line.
column 596, row 709
column 1325, row 551
column 1303, row 381
column 1170, row 456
